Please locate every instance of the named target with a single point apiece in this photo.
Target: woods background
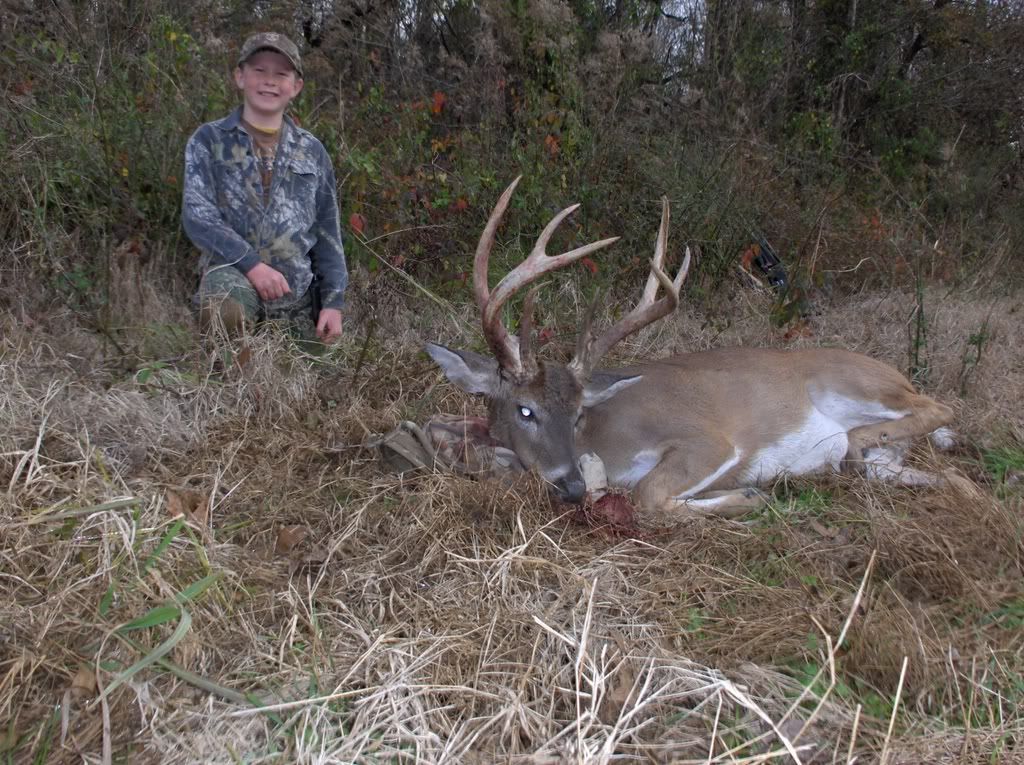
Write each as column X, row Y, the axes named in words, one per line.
column 867, row 142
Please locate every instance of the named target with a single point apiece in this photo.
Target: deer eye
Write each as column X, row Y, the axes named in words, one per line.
column 525, row 412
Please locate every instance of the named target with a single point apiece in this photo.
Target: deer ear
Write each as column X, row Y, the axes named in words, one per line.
column 603, row 385
column 470, row 371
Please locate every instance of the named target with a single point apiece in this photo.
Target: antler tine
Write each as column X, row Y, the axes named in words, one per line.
column 647, row 311
column 584, row 340
column 658, row 262
column 505, row 347
column 527, row 359
column 537, row 263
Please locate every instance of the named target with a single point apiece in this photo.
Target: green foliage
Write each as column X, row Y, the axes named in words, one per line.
column 903, row 157
column 1003, row 462
column 794, row 502
column 918, row 368
column 974, row 348
column 115, row 126
column 814, row 132
column 1008, row 617
column 747, row 123
column 812, row 501
column 853, row 690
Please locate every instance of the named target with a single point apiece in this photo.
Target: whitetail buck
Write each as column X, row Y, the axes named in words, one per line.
column 699, row 430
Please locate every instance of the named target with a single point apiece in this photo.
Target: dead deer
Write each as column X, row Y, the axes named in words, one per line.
column 698, row 430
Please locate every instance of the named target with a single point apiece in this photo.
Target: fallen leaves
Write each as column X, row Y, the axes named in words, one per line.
column 83, row 684
column 438, row 100
column 288, row 538
column 622, row 682
column 748, row 256
column 244, row 356
column 289, row 544
column 193, row 505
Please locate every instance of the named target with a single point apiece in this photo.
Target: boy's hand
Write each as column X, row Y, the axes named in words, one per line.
column 328, row 326
column 269, row 283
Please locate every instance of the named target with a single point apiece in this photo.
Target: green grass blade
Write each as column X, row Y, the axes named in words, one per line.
column 153, row 617
column 165, row 542
column 153, row 656
column 197, row 588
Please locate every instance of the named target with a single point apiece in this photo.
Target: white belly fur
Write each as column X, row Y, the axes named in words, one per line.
column 819, row 443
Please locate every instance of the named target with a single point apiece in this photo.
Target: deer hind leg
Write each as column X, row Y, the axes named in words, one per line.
column 878, row 450
column 929, row 417
column 684, row 477
column 885, row 463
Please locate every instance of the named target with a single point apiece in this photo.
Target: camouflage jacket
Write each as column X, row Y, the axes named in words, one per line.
column 298, row 232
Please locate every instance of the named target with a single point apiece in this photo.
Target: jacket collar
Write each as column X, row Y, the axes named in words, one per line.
column 234, row 122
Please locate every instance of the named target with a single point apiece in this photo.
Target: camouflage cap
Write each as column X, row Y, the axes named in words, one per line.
column 271, row 41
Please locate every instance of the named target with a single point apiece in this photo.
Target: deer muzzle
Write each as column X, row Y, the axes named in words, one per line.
column 571, row 487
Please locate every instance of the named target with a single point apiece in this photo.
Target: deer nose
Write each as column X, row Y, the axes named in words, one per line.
column 571, row 487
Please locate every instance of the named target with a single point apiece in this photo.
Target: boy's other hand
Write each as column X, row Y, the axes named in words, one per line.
column 269, row 283
column 328, row 325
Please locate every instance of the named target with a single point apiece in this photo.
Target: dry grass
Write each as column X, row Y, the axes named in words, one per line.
column 291, row 602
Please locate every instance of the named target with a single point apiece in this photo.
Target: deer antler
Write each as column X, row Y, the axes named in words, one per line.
column 506, row 348
column 590, row 350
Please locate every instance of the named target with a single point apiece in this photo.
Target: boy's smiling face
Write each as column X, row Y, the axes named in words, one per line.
column 268, row 82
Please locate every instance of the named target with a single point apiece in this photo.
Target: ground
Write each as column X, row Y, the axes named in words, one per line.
column 201, row 562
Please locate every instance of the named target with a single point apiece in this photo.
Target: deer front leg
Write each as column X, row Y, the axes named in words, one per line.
column 684, row 477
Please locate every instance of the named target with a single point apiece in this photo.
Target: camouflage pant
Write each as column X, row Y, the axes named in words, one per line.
column 227, row 299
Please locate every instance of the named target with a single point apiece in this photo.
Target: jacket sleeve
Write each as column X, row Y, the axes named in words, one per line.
column 328, row 253
column 203, row 222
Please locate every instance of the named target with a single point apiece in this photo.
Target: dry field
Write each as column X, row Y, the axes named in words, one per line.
column 207, row 566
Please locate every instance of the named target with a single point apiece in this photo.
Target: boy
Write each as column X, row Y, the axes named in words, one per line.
column 261, row 205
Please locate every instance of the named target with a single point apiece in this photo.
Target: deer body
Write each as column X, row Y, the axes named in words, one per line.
column 696, row 431
column 747, row 416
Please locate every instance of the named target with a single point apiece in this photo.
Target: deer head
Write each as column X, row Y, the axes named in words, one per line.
column 536, row 407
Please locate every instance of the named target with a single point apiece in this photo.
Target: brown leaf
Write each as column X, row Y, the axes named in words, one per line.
column 620, row 687
column 83, row 684
column 200, row 512
column 244, row 356
column 175, row 504
column 747, row 258
column 357, row 223
column 798, row 329
column 288, row 537
column 438, row 102
column 823, row 530
column 617, row 694
column 192, row 504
